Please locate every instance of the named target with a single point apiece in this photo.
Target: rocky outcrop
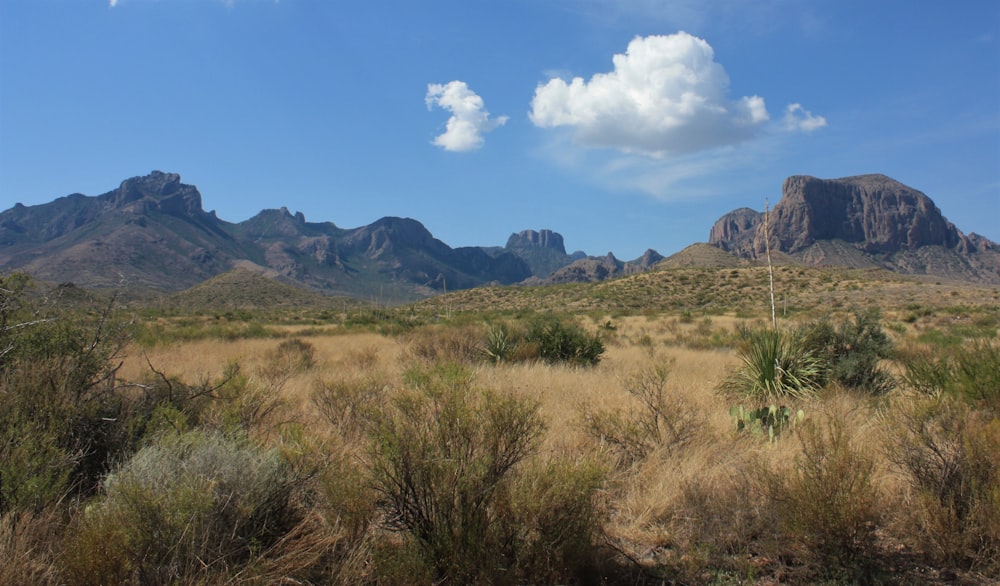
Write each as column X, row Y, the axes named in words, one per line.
column 542, row 250
column 868, row 220
column 531, row 239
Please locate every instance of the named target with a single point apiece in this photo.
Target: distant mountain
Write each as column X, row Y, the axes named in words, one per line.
column 600, row 268
column 152, row 232
column 543, row 251
column 863, row 221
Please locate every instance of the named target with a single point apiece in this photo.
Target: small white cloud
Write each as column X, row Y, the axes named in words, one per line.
column 469, row 119
column 665, row 95
column 112, row 3
column 798, row 118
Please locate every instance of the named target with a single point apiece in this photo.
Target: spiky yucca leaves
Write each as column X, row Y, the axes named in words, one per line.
column 500, row 344
column 775, row 366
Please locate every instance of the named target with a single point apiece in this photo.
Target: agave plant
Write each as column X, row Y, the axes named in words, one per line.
column 774, row 366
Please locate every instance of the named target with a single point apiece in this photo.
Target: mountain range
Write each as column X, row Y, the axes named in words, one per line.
column 153, row 233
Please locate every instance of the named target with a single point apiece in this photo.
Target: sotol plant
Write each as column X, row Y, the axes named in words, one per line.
column 775, row 366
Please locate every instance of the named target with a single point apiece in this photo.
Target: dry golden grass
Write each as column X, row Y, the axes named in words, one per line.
column 663, row 507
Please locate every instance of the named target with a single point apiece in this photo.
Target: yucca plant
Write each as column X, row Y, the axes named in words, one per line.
column 775, row 366
column 500, row 344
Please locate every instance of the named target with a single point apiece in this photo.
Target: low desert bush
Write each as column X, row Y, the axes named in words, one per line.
column 349, row 405
column 560, row 341
column 723, row 518
column 951, row 455
column 193, row 507
column 661, row 421
column 556, row 516
column 970, row 372
column 57, row 387
column 440, row 343
column 442, row 458
column 452, row 468
column 826, row 507
column 852, row 351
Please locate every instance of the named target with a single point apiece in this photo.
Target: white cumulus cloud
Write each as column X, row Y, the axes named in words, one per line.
column 469, row 118
column 798, row 118
column 665, row 95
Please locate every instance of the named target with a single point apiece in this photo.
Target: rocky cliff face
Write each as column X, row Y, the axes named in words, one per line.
column 542, row 250
column 881, row 221
column 531, row 239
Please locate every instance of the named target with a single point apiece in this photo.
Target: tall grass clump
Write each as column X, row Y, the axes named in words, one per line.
column 28, row 543
column 194, row 507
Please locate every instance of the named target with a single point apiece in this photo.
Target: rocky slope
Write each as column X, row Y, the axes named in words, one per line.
column 868, row 220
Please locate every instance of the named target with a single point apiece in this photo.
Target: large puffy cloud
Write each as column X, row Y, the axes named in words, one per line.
column 469, row 119
column 666, row 95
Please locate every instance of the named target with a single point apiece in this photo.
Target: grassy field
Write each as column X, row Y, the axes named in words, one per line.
column 414, row 456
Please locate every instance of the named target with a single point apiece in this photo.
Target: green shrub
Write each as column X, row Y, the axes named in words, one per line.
column 442, row 458
column 57, row 387
column 775, row 366
column 559, row 341
column 852, row 351
column 187, row 508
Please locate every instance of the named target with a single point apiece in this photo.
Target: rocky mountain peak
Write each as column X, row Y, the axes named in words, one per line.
column 537, row 239
column 876, row 213
column 869, row 219
column 158, row 190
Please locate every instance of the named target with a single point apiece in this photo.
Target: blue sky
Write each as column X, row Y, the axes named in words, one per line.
column 622, row 124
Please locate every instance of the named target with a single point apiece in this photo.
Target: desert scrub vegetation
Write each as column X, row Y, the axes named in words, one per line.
column 448, row 462
column 422, row 449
